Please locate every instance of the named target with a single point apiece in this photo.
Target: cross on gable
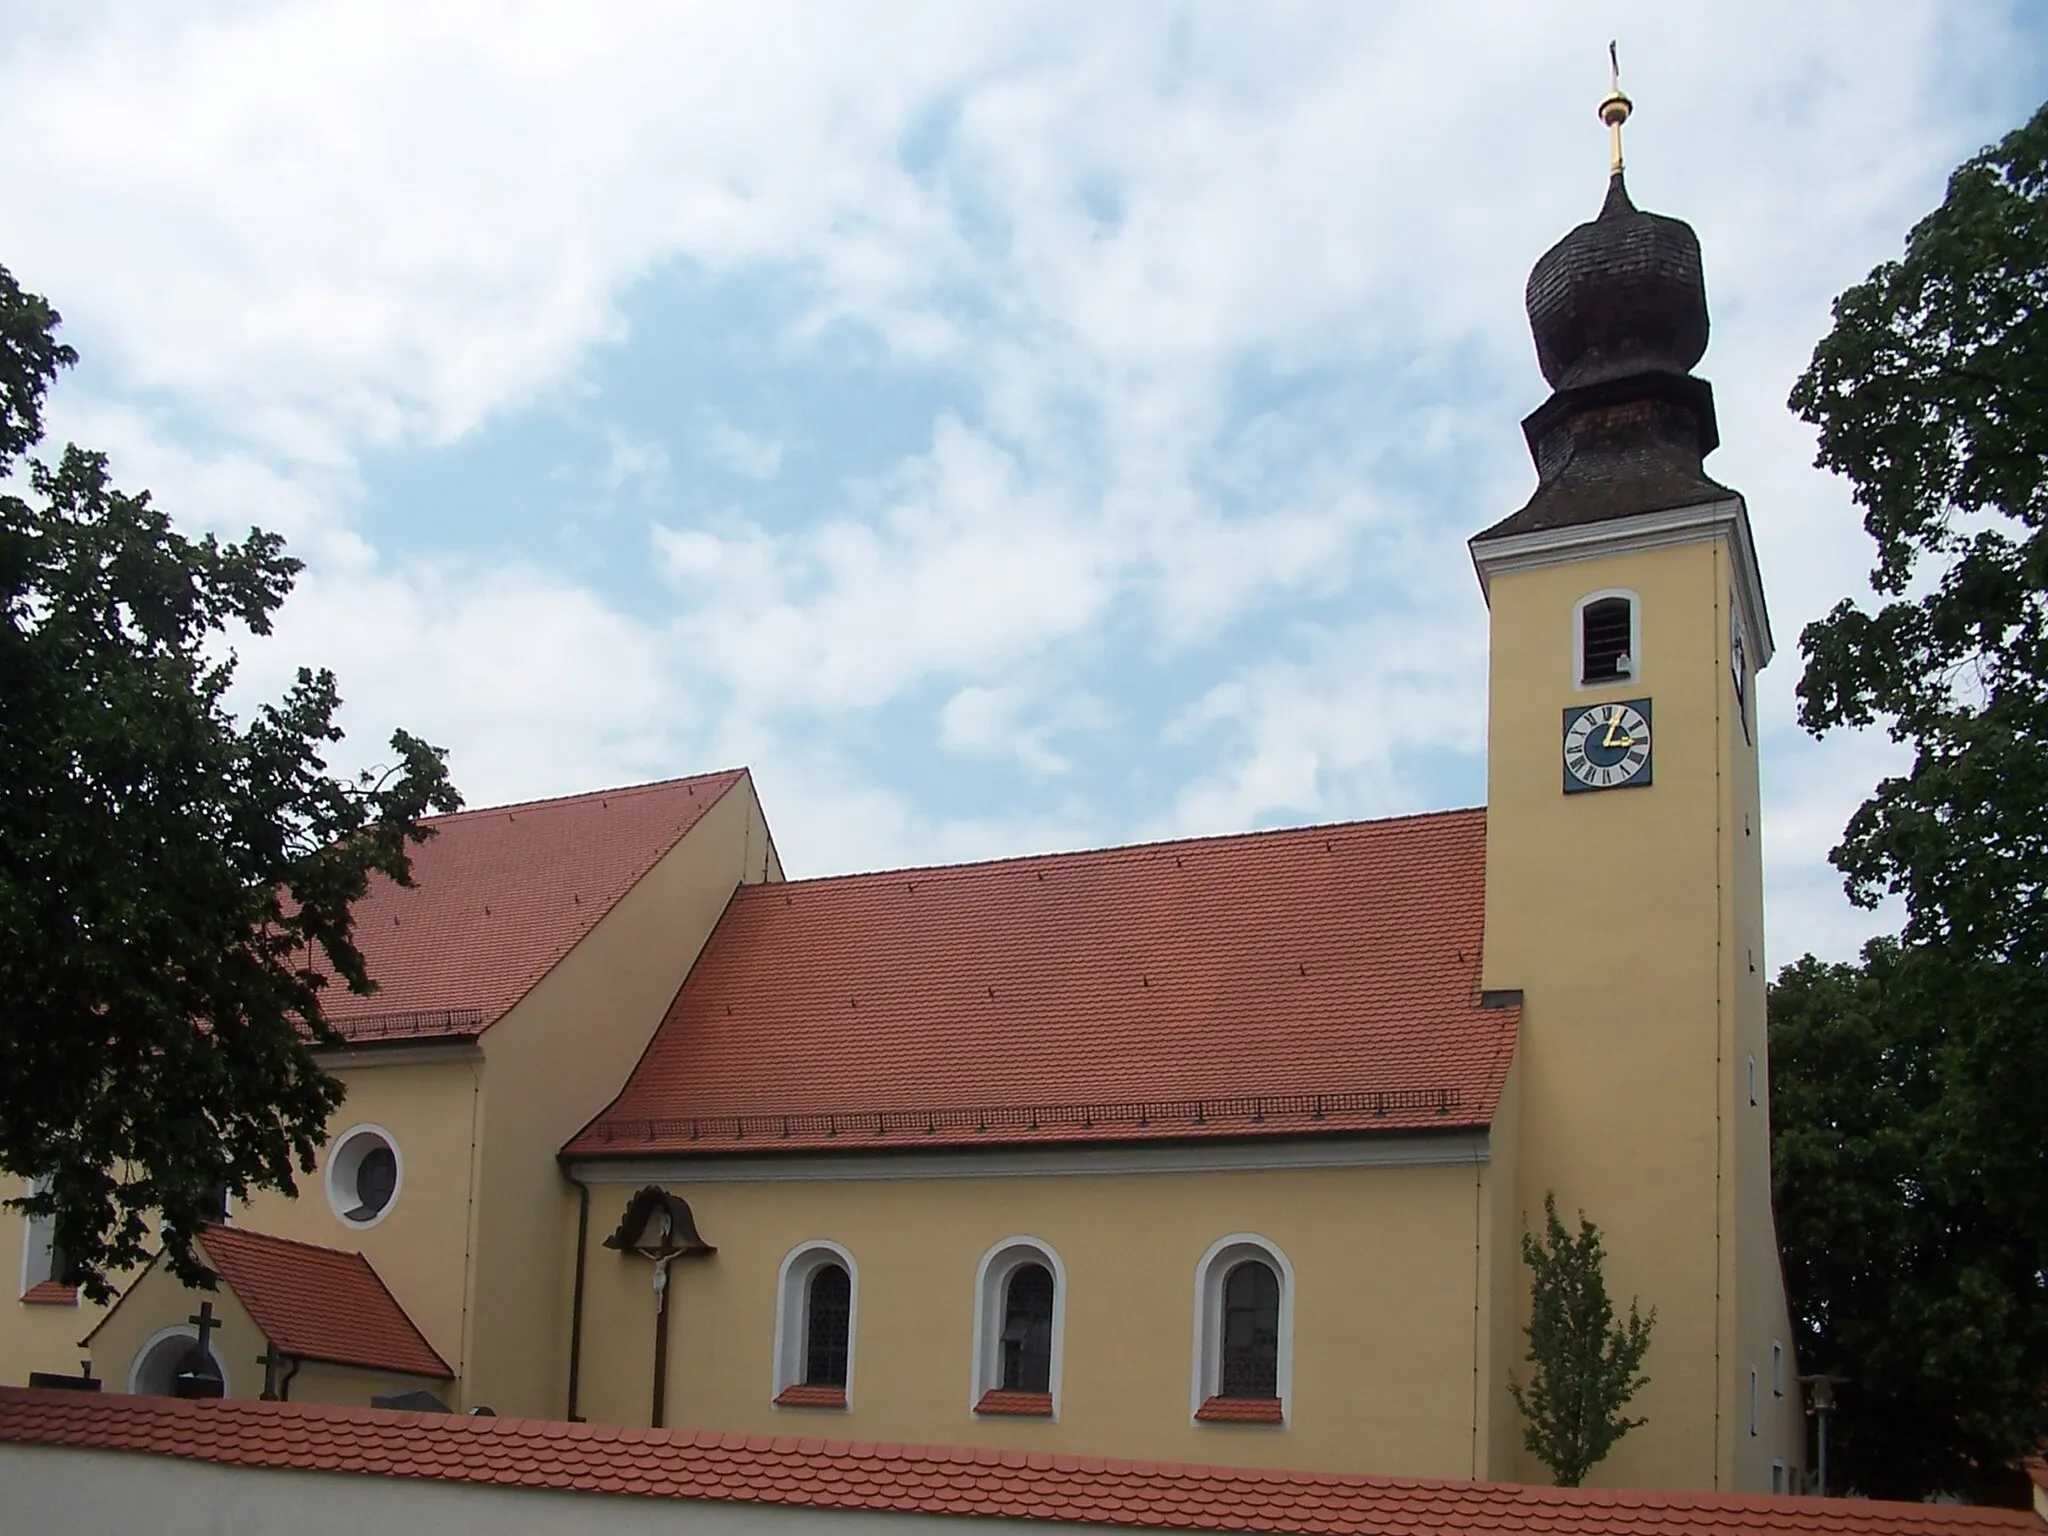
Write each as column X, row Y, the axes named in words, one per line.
column 205, row 1322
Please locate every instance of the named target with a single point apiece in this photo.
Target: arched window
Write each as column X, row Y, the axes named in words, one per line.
column 826, row 1315
column 46, row 1275
column 163, row 1354
column 1607, row 638
column 1019, row 1317
column 815, row 1317
column 1244, row 1325
column 1027, row 1330
column 1251, row 1331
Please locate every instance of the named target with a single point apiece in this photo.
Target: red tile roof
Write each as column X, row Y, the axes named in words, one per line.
column 1318, row 979
column 320, row 1303
column 499, row 897
column 50, row 1293
column 929, row 1480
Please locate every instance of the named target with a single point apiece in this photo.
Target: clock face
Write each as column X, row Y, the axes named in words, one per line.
column 1607, row 746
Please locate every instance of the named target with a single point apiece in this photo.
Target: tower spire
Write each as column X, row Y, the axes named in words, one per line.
column 1614, row 111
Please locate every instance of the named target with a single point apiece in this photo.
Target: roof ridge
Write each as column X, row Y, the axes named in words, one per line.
column 586, row 795
column 1105, row 849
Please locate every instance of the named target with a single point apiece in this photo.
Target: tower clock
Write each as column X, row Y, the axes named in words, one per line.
column 1607, row 746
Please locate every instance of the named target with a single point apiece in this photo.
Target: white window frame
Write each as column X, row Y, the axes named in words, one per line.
column 343, row 1158
column 1213, row 1268
column 793, row 1311
column 1635, row 640
column 991, row 1284
column 1779, row 1479
column 38, row 1243
column 190, row 1335
column 1752, row 1403
column 1777, row 1368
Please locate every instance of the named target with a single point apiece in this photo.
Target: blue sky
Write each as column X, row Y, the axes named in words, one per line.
column 1004, row 427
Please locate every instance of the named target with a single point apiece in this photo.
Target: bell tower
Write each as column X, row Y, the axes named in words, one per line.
column 1624, row 894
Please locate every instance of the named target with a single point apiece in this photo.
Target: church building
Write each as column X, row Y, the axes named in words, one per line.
column 1215, row 1151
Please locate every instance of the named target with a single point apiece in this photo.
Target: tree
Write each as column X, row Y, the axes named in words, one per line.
column 175, row 886
column 1911, row 1283
column 1907, row 1089
column 1587, row 1364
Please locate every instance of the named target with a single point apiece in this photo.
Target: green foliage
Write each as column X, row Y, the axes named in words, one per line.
column 1907, row 1272
column 175, row 886
column 1912, row 1155
column 1587, row 1364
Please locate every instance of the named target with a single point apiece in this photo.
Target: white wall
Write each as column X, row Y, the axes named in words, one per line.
column 56, row 1491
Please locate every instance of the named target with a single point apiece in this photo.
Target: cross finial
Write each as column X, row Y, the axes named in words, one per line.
column 1614, row 111
column 204, row 1321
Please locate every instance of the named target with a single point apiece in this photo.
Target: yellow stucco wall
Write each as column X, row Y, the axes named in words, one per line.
column 157, row 1301
column 553, row 1063
column 434, row 1113
column 1390, row 1310
column 34, row 1338
column 1624, row 915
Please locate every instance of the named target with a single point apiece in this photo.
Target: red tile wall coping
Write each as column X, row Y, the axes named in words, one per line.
column 911, row 1479
column 320, row 1303
column 499, row 896
column 50, row 1293
column 1241, row 1410
column 1295, row 982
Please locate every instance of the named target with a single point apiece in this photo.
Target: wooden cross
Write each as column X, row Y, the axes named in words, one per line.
column 271, row 1358
column 205, row 1322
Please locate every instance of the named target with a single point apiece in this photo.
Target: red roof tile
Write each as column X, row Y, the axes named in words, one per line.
column 1319, row 979
column 320, row 1303
column 934, row 1480
column 50, row 1293
column 499, row 896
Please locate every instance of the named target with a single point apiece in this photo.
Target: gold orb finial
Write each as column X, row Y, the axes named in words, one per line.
column 1614, row 111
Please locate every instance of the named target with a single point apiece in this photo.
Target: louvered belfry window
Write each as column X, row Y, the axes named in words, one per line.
column 1027, row 1330
column 1606, row 632
column 1251, row 1331
column 828, row 1310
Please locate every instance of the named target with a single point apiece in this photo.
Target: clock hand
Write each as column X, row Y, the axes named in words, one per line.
column 1610, row 739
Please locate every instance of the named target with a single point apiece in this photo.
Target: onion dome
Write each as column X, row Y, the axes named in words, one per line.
column 1618, row 309
column 1620, row 294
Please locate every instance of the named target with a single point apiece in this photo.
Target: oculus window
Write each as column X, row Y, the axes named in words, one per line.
column 364, row 1175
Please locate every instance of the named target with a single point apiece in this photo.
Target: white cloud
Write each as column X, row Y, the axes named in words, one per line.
column 1226, row 304
column 744, row 453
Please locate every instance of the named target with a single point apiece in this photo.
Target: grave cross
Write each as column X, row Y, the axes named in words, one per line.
column 271, row 1358
column 199, row 1375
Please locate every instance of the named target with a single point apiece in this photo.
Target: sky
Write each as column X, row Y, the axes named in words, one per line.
column 1004, row 427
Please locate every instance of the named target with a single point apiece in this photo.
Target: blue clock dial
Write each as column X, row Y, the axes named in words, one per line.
column 1607, row 746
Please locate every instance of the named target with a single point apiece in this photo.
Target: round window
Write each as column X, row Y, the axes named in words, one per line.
column 363, row 1175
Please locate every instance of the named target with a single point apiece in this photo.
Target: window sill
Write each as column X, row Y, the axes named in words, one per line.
column 1241, row 1410
column 811, row 1397
column 50, row 1293
column 1016, row 1405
